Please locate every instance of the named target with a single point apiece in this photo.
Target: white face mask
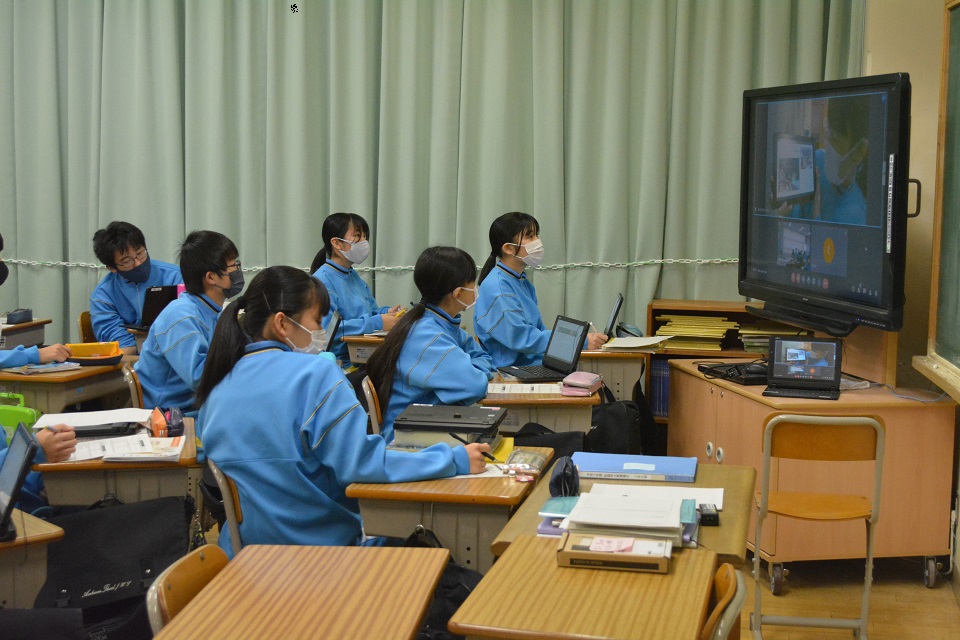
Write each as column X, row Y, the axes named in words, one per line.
column 318, row 340
column 833, row 164
column 534, row 252
column 358, row 251
column 467, row 306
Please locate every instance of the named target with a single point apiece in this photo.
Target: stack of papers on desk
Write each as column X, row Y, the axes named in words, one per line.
column 48, row 367
column 137, row 448
column 629, row 343
column 618, row 515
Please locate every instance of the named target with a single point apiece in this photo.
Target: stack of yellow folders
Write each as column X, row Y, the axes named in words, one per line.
column 701, row 333
column 756, row 336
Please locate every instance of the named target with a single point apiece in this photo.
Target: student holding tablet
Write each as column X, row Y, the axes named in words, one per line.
column 428, row 358
column 507, row 318
column 346, row 243
column 287, row 428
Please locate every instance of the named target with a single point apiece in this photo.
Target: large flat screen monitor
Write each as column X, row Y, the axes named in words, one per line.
column 823, row 204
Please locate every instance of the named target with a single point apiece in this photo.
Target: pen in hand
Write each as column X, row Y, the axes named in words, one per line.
column 483, row 453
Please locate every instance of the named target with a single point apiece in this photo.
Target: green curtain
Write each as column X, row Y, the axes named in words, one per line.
column 616, row 123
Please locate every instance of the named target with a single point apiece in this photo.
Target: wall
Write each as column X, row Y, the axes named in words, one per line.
column 907, row 35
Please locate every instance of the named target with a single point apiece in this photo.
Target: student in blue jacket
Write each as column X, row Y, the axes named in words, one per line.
column 427, row 358
column 19, row 356
column 286, row 425
column 118, row 299
column 346, row 243
column 176, row 347
column 507, row 318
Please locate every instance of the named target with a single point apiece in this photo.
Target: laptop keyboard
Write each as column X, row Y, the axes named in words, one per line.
column 802, row 393
column 538, row 370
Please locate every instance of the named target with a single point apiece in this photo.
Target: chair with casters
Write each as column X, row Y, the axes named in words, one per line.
column 231, row 504
column 373, row 404
column 726, row 602
column 86, row 327
column 180, row 582
column 133, row 383
column 819, row 438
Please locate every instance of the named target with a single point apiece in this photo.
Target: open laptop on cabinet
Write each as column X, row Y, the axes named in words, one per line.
column 804, row 367
column 561, row 357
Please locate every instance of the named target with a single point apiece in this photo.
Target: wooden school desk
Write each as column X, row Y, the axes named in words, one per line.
column 465, row 513
column 25, row 334
column 281, row 591
column 526, row 595
column 620, row 370
column 53, row 392
column 87, row 481
column 558, row 412
column 23, row 560
column 729, row 540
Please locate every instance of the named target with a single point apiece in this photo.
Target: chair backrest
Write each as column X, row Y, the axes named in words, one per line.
column 373, row 404
column 133, row 383
column 86, row 327
column 231, row 504
column 828, row 438
column 180, row 582
column 726, row 583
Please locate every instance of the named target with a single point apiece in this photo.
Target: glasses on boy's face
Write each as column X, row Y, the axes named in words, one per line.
column 232, row 267
column 130, row 262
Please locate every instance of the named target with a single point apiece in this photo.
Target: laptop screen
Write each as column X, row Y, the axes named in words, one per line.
column 155, row 300
column 566, row 342
column 612, row 324
column 13, row 472
column 805, row 362
column 333, row 325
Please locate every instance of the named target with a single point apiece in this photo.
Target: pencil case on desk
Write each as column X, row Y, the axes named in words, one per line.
column 581, row 383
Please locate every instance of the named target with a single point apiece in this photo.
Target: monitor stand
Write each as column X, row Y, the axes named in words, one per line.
column 831, row 326
column 9, row 532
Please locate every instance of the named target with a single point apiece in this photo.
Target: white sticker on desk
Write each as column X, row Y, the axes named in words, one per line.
column 639, row 466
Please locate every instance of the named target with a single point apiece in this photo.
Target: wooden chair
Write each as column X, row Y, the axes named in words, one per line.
column 726, row 601
column 86, row 327
column 826, row 438
column 180, row 582
column 373, row 404
column 231, row 505
column 133, row 383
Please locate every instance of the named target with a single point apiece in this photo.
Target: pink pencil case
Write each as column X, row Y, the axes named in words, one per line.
column 581, row 383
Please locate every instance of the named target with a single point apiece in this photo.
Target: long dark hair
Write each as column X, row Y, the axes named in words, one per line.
column 336, row 226
column 507, row 228
column 439, row 271
column 275, row 289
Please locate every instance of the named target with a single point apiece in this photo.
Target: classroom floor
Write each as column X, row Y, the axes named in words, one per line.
column 901, row 607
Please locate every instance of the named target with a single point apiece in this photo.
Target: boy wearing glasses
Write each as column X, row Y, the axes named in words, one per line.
column 175, row 350
column 118, row 299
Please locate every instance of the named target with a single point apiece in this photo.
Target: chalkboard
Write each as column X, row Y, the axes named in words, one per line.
column 947, row 333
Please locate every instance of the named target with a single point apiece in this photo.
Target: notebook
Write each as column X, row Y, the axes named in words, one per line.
column 614, row 314
column 13, row 473
column 155, row 300
column 561, row 357
column 804, row 368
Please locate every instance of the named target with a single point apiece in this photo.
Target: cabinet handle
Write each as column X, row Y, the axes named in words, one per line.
column 709, row 450
column 721, row 394
column 719, row 454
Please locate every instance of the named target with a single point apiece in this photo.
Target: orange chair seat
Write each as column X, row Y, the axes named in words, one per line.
column 818, row 506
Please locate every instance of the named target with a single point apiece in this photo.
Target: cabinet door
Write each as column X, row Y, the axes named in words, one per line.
column 693, row 417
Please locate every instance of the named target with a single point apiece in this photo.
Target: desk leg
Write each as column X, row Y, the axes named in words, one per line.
column 466, row 530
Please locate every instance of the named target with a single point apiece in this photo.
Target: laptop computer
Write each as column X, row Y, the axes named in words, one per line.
column 442, row 417
column 155, row 300
column 614, row 314
column 804, row 367
column 333, row 325
column 13, row 473
column 561, row 357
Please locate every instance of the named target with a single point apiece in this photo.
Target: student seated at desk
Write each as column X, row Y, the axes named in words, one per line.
column 507, row 318
column 118, row 299
column 427, row 358
column 21, row 355
column 287, row 426
column 57, row 443
column 346, row 243
column 176, row 347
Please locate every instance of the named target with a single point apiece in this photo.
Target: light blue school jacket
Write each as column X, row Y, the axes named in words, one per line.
column 351, row 296
column 117, row 302
column 438, row 364
column 175, row 350
column 19, row 356
column 288, row 429
column 507, row 319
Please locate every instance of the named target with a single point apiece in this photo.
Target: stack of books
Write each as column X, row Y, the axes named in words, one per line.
column 700, row 333
column 756, row 336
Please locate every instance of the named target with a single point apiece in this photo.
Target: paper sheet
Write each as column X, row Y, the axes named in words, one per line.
column 88, row 418
column 646, row 492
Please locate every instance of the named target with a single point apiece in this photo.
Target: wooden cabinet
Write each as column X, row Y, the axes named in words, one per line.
column 721, row 422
